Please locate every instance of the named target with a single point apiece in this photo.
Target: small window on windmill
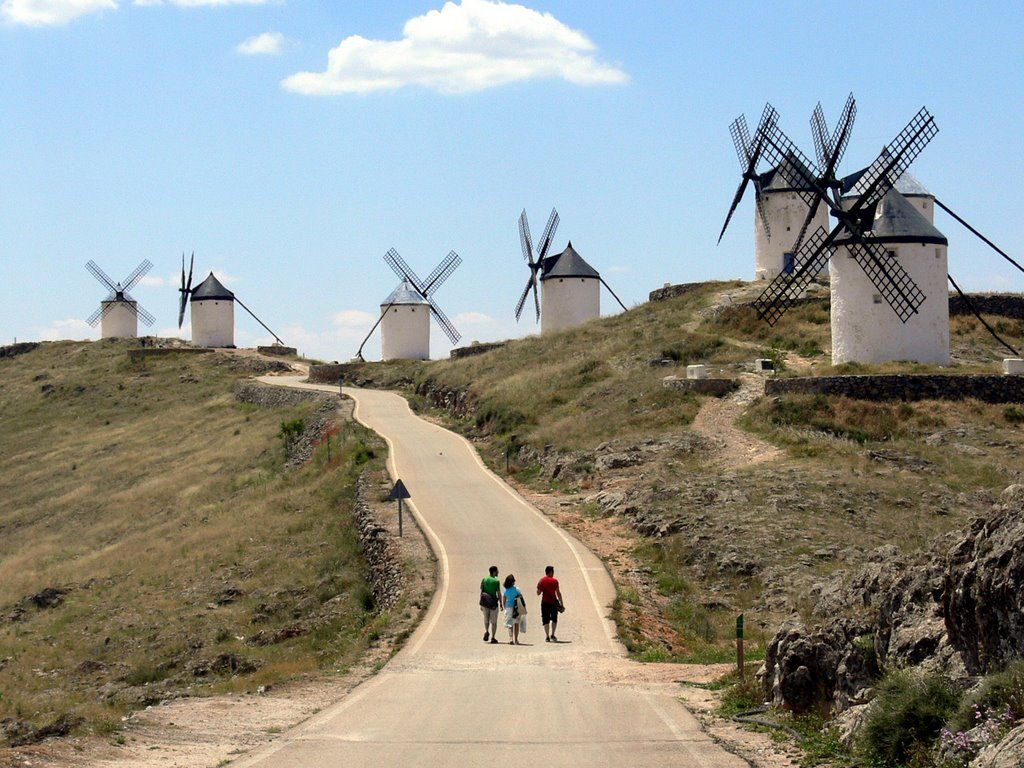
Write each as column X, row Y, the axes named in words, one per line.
column 876, row 298
column 938, row 253
column 892, row 253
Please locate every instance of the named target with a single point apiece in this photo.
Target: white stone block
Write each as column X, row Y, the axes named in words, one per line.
column 764, row 365
column 1013, row 366
column 696, row 371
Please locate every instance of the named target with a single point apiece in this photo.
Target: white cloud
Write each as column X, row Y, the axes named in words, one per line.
column 72, row 329
column 466, row 46
column 349, row 323
column 153, row 281
column 473, row 318
column 42, row 13
column 267, row 44
column 617, row 269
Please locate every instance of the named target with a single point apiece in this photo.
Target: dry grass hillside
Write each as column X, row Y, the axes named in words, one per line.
column 152, row 543
column 708, row 531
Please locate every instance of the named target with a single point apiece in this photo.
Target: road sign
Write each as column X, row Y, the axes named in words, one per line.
column 400, row 493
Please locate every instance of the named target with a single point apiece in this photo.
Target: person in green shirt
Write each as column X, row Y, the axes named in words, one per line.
column 490, row 588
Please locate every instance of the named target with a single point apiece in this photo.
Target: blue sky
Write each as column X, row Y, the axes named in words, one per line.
column 141, row 130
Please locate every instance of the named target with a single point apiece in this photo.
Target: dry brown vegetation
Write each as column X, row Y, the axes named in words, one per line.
column 181, row 557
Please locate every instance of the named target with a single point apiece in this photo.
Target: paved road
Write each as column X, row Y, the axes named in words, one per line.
column 448, row 699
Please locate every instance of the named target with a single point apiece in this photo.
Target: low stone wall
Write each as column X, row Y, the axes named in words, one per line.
column 379, row 548
column 269, row 396
column 13, row 350
column 331, row 372
column 989, row 388
column 712, row 387
column 671, row 291
column 278, row 351
column 1000, row 304
column 475, row 349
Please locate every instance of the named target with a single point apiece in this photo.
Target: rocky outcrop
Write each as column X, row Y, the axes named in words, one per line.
column 983, row 588
column 958, row 608
column 826, row 669
column 1008, row 753
column 671, row 291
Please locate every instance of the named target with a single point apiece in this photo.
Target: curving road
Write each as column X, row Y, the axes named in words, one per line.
column 448, row 699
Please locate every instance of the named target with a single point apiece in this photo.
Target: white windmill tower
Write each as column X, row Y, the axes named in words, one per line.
column 119, row 313
column 405, row 314
column 864, row 328
column 570, row 289
column 213, row 310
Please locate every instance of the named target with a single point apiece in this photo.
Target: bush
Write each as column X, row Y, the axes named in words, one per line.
column 1013, row 414
column 907, row 717
column 291, row 431
column 1000, row 692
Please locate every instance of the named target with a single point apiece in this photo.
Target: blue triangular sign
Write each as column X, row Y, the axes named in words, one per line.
column 399, row 492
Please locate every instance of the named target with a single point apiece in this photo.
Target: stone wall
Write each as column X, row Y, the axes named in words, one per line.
column 379, row 548
column 278, row 351
column 712, row 387
column 13, row 350
column 322, row 418
column 671, row 291
column 990, row 388
column 330, row 373
column 475, row 349
column 1001, row 304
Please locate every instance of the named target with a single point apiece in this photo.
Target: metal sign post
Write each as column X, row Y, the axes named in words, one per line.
column 400, row 493
column 739, row 645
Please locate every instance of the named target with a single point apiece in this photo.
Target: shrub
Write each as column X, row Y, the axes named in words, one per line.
column 1014, row 414
column 290, row 431
column 999, row 692
column 909, row 713
column 743, row 696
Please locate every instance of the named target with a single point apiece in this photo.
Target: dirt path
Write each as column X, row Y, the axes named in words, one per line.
column 717, row 420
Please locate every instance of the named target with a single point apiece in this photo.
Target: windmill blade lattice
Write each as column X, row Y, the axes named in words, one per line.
column 102, row 276
column 784, row 291
column 394, row 260
column 426, row 289
column 442, row 272
column 749, row 153
column 535, row 261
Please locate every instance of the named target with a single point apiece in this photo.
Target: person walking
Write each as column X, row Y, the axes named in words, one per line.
column 490, row 603
column 550, row 603
column 515, row 609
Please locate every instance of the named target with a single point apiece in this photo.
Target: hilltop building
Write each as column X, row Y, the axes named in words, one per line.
column 213, row 314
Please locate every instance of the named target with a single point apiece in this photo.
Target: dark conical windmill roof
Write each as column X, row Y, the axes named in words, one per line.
column 568, row 263
column 211, row 288
column 780, row 178
column 896, row 220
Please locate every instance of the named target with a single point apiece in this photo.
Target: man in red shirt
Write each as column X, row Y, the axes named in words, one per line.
column 550, row 602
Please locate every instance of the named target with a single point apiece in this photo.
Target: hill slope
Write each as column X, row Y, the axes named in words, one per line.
column 149, row 525
column 704, row 532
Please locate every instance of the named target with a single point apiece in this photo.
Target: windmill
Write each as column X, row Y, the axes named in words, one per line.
column 405, row 313
column 786, row 202
column 213, row 310
column 570, row 289
column 119, row 312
